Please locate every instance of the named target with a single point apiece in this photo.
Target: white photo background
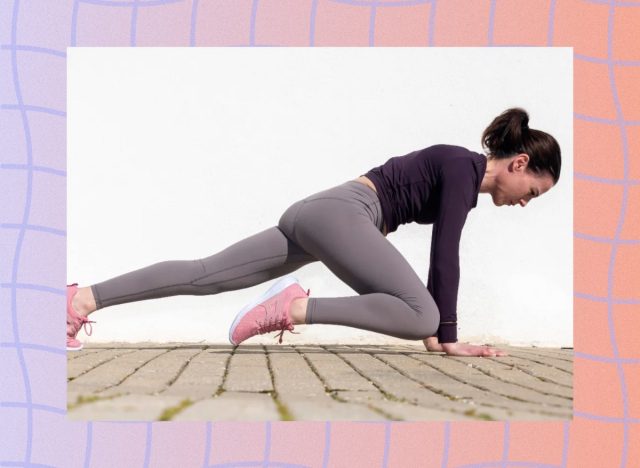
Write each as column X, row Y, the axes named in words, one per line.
column 177, row 153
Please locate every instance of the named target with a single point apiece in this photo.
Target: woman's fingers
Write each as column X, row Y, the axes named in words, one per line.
column 465, row 349
column 493, row 352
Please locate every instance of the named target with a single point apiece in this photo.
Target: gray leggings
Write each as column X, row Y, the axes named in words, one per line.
column 342, row 228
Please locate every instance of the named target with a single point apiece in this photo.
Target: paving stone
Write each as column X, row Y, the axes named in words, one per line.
column 83, row 352
column 543, row 378
column 429, row 376
column 311, row 382
column 114, row 371
column 293, row 376
column 392, row 382
column 501, row 394
column 560, row 362
column 303, row 394
column 127, row 407
column 327, row 409
column 248, row 371
column 563, row 354
column 509, row 382
column 235, row 406
column 466, row 370
column 202, row 377
column 461, row 381
column 82, row 363
column 398, row 411
column 334, row 372
column 156, row 375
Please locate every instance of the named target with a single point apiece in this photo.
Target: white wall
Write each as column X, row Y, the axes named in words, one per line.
column 176, row 153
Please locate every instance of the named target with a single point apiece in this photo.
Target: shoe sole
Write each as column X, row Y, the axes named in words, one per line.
column 75, row 349
column 277, row 287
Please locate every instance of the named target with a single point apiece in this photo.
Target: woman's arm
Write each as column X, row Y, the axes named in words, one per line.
column 456, row 196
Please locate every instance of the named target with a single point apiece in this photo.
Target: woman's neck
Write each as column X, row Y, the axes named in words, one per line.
column 488, row 181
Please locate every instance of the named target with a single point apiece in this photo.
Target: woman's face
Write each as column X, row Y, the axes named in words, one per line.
column 515, row 185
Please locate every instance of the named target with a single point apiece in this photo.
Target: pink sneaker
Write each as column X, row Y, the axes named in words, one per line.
column 75, row 321
column 268, row 313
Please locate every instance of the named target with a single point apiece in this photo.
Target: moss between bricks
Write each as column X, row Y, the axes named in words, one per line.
column 334, row 393
column 170, row 412
column 221, row 388
column 472, row 412
column 83, row 400
column 283, row 411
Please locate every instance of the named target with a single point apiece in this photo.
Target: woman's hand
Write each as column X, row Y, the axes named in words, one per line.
column 432, row 344
column 466, row 349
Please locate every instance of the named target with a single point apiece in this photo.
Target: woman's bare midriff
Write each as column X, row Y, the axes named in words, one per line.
column 366, row 181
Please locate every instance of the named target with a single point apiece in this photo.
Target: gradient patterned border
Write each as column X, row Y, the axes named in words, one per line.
column 34, row 36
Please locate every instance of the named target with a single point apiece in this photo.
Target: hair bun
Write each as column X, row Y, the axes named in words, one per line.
column 509, row 134
column 505, row 134
column 522, row 115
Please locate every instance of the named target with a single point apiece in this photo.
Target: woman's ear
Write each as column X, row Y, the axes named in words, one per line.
column 521, row 161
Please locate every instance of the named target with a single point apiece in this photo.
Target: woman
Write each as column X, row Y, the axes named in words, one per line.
column 345, row 228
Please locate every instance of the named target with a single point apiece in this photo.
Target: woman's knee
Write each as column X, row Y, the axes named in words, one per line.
column 427, row 318
column 426, row 326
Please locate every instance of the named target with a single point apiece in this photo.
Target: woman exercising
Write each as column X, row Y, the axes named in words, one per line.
column 345, row 227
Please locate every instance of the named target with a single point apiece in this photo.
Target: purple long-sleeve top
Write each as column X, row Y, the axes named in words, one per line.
column 437, row 185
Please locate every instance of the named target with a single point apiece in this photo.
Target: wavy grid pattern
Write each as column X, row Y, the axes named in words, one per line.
column 34, row 35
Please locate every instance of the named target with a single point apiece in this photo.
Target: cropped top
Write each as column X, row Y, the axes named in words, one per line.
column 437, row 185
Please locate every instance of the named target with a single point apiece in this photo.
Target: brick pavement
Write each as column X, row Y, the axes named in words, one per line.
column 182, row 381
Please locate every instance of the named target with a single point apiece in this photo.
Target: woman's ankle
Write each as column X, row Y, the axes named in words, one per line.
column 83, row 302
column 298, row 310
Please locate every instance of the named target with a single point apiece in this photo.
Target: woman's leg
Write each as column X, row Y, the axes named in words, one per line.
column 342, row 228
column 266, row 255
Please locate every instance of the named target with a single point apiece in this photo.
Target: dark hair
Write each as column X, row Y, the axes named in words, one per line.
column 509, row 134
